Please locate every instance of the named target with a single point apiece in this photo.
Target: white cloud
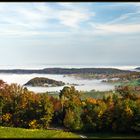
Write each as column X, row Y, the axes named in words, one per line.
column 119, row 28
column 125, row 16
column 72, row 18
column 74, row 13
column 134, row 3
column 30, row 17
column 127, row 23
column 66, row 4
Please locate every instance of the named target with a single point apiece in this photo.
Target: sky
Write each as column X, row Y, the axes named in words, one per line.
column 66, row 33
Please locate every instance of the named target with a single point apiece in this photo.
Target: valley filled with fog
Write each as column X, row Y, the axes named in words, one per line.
column 81, row 84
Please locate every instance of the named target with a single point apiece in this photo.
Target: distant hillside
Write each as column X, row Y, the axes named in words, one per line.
column 67, row 71
column 138, row 68
column 44, row 82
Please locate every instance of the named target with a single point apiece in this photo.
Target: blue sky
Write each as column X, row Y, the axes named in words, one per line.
column 69, row 33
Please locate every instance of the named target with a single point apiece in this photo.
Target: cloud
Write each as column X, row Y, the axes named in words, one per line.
column 19, row 19
column 134, row 3
column 126, row 23
column 66, row 4
column 123, row 17
column 72, row 18
column 101, row 34
column 73, row 14
column 117, row 28
column 48, row 19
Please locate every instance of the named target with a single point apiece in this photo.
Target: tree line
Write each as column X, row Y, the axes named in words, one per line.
column 23, row 108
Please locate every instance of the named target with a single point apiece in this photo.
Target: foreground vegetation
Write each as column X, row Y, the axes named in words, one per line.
column 8, row 132
column 118, row 112
column 107, row 135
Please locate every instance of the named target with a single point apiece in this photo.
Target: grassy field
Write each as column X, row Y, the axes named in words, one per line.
column 8, row 132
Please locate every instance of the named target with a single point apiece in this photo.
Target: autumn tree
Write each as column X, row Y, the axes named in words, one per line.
column 71, row 101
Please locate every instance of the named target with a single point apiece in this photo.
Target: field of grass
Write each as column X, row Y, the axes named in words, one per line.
column 8, row 132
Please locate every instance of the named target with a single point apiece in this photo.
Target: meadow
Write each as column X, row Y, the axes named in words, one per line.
column 9, row 132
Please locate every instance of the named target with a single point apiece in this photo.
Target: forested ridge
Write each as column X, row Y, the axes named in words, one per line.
column 44, row 82
column 138, row 68
column 67, row 71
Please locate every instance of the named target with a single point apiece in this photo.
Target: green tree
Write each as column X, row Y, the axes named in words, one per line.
column 47, row 111
column 72, row 107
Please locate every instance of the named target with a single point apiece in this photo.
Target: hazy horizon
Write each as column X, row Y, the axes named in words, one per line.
column 66, row 33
